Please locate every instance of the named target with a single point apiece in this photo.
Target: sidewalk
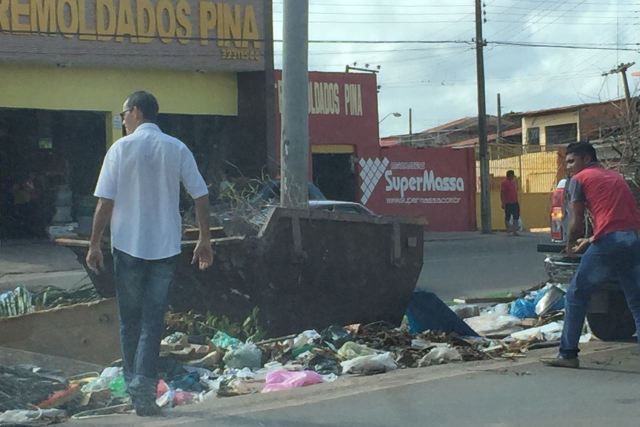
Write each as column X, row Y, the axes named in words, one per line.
column 38, row 263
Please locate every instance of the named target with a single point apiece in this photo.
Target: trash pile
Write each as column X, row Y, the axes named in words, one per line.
column 194, row 369
column 21, row 301
column 201, row 361
column 531, row 321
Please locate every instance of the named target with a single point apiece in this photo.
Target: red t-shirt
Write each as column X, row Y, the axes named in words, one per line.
column 509, row 191
column 608, row 198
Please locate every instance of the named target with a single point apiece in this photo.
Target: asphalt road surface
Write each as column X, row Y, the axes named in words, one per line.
column 473, row 264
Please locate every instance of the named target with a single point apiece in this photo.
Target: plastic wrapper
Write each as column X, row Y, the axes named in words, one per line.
column 372, row 364
column 350, row 349
column 440, row 355
column 284, row 380
column 245, row 356
column 222, row 340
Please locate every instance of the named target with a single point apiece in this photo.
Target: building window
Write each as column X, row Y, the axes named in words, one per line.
column 533, row 136
column 561, row 134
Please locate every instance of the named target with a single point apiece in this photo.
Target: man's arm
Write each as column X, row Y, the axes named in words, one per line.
column 203, row 253
column 101, row 218
column 576, row 226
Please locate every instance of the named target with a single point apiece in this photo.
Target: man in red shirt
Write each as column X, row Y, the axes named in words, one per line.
column 509, row 199
column 612, row 252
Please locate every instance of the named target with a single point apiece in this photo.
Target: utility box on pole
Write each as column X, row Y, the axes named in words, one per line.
column 294, row 147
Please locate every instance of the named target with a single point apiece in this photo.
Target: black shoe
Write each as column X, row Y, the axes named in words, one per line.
column 561, row 362
column 146, row 408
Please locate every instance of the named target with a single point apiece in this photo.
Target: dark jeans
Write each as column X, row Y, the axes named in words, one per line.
column 141, row 288
column 512, row 210
column 614, row 256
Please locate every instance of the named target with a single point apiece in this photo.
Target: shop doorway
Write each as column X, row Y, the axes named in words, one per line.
column 49, row 163
column 334, row 174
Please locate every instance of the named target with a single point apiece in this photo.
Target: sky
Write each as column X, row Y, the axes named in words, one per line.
column 438, row 80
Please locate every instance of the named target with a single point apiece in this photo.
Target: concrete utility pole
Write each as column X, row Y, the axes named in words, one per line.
column 485, row 190
column 294, row 146
column 622, row 69
column 499, row 123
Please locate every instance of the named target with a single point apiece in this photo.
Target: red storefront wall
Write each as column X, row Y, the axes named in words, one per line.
column 343, row 118
column 437, row 184
column 343, row 108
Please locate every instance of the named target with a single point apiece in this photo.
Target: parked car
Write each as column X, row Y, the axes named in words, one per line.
column 271, row 191
column 340, row 206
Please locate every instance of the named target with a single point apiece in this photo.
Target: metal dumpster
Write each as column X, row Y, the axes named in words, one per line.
column 305, row 269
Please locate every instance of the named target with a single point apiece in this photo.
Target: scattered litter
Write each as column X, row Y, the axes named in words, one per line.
column 440, row 355
column 244, row 356
column 32, row 417
column 351, row 350
column 368, row 365
column 222, row 340
column 283, row 380
column 494, row 324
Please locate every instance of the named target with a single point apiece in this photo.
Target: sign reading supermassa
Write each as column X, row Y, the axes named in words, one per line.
column 204, row 34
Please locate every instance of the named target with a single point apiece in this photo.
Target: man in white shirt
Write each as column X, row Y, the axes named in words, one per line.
column 138, row 191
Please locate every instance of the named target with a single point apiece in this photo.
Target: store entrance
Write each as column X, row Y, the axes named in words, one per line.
column 333, row 174
column 49, row 163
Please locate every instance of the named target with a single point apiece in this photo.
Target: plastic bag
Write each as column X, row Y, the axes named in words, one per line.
column 283, row 380
column 523, row 308
column 336, row 336
column 246, row 356
column 372, row 364
column 102, row 382
column 350, row 349
column 222, row 340
column 494, row 324
column 440, row 355
column 307, row 337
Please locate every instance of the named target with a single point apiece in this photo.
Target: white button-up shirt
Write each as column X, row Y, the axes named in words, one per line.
column 141, row 173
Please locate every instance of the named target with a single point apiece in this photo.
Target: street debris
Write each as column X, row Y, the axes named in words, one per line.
column 205, row 357
column 21, row 301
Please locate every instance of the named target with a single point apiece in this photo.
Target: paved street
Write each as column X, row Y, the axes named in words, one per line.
column 38, row 263
column 455, row 264
column 473, row 264
column 503, row 393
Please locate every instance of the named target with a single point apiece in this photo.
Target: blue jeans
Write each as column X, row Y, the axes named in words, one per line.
column 614, row 256
column 142, row 287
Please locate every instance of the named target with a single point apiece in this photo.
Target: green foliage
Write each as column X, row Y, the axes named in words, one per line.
column 193, row 323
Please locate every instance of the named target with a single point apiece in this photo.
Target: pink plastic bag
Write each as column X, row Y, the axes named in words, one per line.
column 162, row 388
column 283, row 380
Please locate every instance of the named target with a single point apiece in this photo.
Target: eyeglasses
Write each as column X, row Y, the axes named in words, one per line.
column 125, row 112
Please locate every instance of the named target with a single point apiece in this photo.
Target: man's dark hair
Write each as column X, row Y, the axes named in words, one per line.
column 510, row 173
column 582, row 149
column 146, row 103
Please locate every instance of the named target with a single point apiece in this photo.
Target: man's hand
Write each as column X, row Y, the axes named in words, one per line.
column 203, row 255
column 581, row 245
column 95, row 260
column 577, row 247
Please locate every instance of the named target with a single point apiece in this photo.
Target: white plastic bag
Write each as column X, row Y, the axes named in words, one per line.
column 440, row 355
column 369, row 364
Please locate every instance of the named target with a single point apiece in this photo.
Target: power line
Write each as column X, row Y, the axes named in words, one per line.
column 560, row 46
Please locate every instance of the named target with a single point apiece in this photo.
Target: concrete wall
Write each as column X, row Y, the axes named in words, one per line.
column 534, row 210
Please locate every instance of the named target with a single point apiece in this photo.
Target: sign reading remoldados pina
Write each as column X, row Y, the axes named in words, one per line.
column 170, row 34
